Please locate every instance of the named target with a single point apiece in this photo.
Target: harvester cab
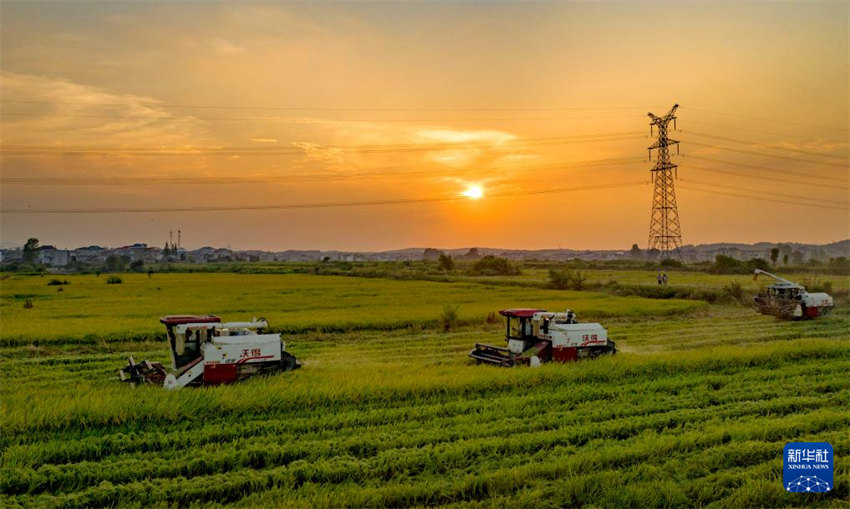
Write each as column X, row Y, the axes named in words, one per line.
column 206, row 351
column 790, row 301
column 535, row 336
column 186, row 346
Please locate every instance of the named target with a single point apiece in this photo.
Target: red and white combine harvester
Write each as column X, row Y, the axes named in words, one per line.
column 790, row 301
column 207, row 351
column 536, row 335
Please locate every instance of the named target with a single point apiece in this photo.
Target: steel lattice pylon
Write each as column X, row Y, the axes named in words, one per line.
column 665, row 233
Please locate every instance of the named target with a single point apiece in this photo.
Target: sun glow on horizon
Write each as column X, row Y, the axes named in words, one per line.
column 474, row 192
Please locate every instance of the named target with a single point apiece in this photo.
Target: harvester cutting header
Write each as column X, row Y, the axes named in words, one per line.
column 535, row 336
column 207, row 351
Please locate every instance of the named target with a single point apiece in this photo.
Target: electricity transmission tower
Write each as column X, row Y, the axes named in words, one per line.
column 665, row 233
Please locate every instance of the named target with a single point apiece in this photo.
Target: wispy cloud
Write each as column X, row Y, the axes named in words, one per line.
column 464, row 146
column 225, row 47
column 512, row 159
column 456, row 158
column 59, row 112
column 465, row 136
column 820, row 146
column 316, row 152
column 409, row 146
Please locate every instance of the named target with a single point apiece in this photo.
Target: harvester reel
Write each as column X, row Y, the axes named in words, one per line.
column 145, row 372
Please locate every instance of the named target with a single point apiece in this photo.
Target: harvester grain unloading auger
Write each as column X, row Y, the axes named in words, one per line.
column 535, row 336
column 207, row 351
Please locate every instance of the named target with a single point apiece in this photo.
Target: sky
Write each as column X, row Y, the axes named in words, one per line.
column 363, row 126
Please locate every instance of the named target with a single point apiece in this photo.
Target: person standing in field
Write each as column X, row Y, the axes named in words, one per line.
column 664, row 279
column 658, row 278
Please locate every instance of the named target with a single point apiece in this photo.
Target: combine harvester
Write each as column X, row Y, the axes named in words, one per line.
column 791, row 301
column 205, row 351
column 535, row 336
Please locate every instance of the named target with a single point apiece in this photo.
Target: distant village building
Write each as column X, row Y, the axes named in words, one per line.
column 11, row 255
column 52, row 257
column 138, row 251
column 203, row 254
column 89, row 255
column 254, row 255
column 221, row 255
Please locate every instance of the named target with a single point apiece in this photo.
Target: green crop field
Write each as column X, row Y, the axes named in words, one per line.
column 676, row 278
column 388, row 411
column 87, row 309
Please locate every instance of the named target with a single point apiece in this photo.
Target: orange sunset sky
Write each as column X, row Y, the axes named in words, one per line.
column 197, row 106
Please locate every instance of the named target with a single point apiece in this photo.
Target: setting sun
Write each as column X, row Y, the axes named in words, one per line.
column 474, row 192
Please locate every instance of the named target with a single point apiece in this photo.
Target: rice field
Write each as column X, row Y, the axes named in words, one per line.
column 89, row 310
column 676, row 278
column 388, row 412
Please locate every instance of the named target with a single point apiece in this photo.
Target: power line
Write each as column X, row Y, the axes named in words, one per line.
column 557, row 190
column 750, row 197
column 220, row 208
column 760, row 191
column 321, row 108
column 765, row 145
column 300, row 119
column 126, row 181
column 772, row 179
column 761, row 168
column 352, row 148
column 777, row 156
column 34, row 150
column 392, row 146
column 773, row 121
column 152, row 104
column 738, row 128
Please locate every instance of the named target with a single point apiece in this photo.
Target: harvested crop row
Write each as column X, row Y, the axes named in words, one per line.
column 556, row 463
column 633, row 397
column 227, row 455
column 105, row 411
